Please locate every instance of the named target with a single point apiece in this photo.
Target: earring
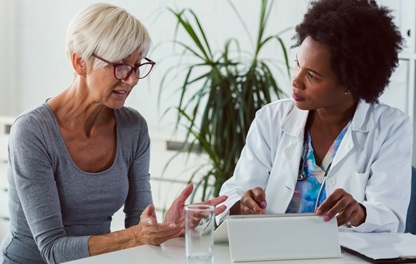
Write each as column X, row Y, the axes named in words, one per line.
column 346, row 92
column 83, row 73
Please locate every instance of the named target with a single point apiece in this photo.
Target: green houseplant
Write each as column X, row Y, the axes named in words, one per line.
column 220, row 95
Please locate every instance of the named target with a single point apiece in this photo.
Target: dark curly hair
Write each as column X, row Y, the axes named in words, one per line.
column 362, row 39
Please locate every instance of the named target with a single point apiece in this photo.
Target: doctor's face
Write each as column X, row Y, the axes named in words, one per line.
column 315, row 85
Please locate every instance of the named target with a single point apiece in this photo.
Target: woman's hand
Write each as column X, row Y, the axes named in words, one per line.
column 148, row 231
column 176, row 212
column 341, row 204
column 253, row 201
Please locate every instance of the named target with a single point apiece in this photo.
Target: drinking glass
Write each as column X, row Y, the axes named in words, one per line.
column 199, row 233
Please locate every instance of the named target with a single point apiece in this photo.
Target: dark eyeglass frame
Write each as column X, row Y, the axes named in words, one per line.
column 135, row 68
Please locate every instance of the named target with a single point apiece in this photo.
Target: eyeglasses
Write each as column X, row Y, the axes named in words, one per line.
column 122, row 71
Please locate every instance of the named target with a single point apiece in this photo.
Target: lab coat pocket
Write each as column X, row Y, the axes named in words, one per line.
column 358, row 185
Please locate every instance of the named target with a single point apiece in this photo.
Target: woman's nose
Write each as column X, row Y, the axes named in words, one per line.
column 131, row 80
column 296, row 82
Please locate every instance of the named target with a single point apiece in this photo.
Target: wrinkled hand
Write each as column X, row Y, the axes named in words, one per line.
column 253, row 201
column 342, row 205
column 176, row 212
column 148, row 231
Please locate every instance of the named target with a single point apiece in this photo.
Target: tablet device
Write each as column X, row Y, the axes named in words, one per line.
column 278, row 237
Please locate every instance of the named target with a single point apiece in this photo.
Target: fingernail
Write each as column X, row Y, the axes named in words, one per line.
column 263, row 204
column 149, row 222
column 326, row 218
column 318, row 212
column 172, row 225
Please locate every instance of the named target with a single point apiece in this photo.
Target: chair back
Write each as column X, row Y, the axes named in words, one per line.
column 411, row 211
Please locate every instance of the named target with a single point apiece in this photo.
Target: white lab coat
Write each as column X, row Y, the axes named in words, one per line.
column 373, row 162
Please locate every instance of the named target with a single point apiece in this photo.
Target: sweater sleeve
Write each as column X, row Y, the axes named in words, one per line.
column 139, row 196
column 33, row 176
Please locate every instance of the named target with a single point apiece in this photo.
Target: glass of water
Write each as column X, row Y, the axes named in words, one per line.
column 199, row 235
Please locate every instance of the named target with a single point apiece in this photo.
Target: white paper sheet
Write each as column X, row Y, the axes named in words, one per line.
column 380, row 245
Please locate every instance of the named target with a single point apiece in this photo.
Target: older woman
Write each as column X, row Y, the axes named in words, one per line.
column 81, row 155
column 332, row 148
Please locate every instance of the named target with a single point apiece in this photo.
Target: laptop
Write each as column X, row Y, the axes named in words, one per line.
column 279, row 237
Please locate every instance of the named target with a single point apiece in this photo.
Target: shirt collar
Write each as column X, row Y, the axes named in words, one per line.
column 295, row 121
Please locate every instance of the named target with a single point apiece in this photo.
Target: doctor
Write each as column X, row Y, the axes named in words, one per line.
column 332, row 148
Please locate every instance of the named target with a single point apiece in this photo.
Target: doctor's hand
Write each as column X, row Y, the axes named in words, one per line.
column 341, row 204
column 253, row 201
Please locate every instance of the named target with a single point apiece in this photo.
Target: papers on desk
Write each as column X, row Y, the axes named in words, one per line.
column 380, row 247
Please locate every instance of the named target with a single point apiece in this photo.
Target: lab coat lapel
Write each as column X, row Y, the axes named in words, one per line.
column 291, row 153
column 363, row 121
column 286, row 162
column 293, row 128
column 284, row 176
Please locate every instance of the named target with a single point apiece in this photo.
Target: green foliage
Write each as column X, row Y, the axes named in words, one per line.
column 221, row 94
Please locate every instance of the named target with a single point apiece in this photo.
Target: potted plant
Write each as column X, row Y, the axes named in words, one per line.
column 220, row 95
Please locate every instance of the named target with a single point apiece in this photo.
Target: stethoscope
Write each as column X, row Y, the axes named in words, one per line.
column 302, row 175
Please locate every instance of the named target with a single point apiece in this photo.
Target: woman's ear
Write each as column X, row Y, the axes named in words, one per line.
column 79, row 64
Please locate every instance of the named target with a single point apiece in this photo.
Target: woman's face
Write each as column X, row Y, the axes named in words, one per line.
column 109, row 91
column 315, row 85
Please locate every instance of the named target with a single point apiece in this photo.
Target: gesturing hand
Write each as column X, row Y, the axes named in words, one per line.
column 342, row 205
column 253, row 201
column 148, row 231
column 176, row 212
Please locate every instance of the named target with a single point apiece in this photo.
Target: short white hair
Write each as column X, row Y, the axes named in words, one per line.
column 107, row 31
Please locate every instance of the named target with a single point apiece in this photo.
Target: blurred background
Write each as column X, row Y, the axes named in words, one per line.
column 34, row 67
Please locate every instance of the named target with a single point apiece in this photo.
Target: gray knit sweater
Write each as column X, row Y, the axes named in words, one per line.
column 54, row 206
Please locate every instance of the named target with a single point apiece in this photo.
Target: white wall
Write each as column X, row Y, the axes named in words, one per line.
column 36, row 66
column 8, row 87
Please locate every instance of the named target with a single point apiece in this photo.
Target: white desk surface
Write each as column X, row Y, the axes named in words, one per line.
column 173, row 251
